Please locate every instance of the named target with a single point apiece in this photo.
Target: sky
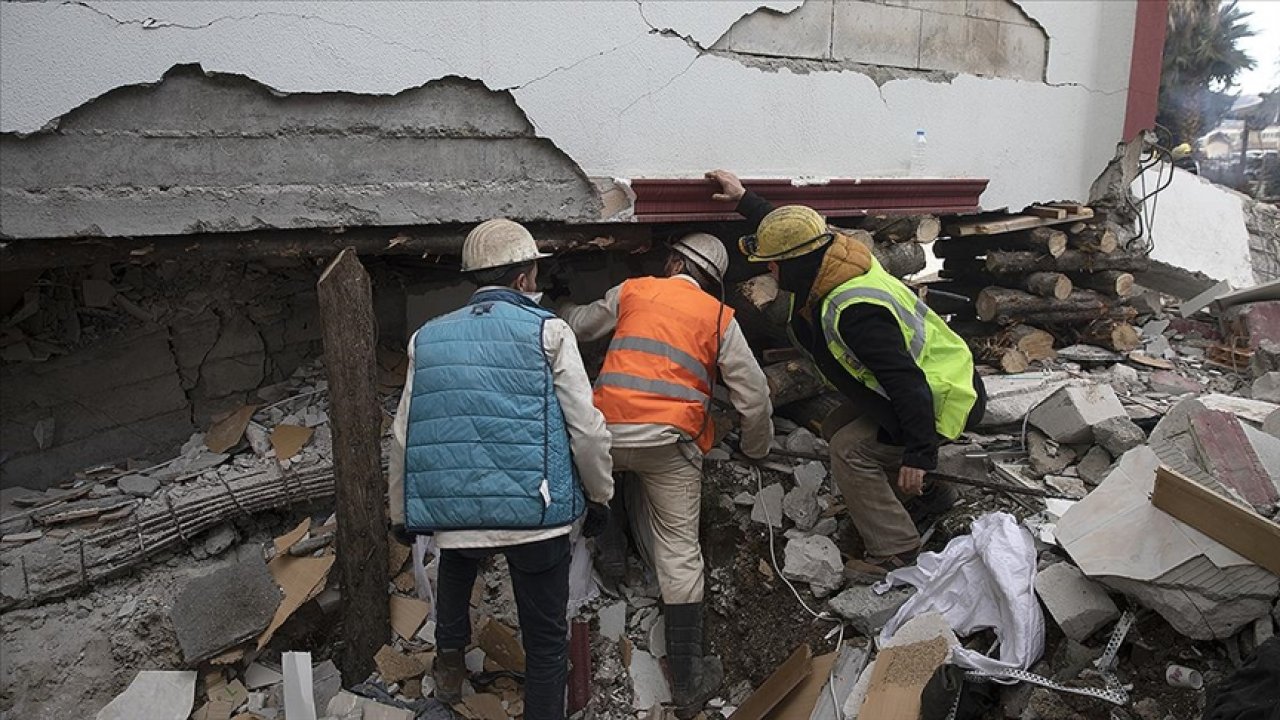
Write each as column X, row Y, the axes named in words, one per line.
column 1264, row 47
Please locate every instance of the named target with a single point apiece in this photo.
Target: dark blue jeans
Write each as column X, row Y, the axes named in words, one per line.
column 540, row 578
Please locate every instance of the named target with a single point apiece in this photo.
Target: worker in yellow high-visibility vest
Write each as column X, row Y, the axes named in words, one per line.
column 908, row 378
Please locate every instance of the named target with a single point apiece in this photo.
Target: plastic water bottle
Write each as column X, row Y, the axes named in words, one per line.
column 918, row 153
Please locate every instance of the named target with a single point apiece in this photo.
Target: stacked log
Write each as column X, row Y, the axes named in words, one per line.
column 1059, row 272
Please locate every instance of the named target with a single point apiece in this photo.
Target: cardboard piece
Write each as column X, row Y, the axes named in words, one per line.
column 301, row 578
column 484, row 706
column 395, row 666
column 232, row 693
column 405, row 582
column 799, row 703
column 299, row 701
column 783, row 680
column 1236, row 527
column 288, row 440
column 225, row 433
column 407, row 615
column 214, row 710
column 899, row 677
column 397, row 554
column 500, row 643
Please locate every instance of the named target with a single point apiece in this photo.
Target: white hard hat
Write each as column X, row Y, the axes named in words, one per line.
column 706, row 252
column 498, row 243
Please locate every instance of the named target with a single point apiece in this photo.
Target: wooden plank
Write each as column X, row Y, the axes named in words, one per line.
column 1014, row 222
column 1072, row 208
column 1233, row 525
column 777, row 686
column 349, row 331
column 1046, row 211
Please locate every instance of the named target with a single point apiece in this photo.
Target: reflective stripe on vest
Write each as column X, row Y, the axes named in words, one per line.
column 657, row 387
column 666, row 350
column 911, row 319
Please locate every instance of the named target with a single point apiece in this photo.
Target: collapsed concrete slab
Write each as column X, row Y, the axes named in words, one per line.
column 1117, row 537
column 1010, row 397
column 865, row 609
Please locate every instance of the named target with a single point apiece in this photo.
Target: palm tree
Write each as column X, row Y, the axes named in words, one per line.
column 1201, row 61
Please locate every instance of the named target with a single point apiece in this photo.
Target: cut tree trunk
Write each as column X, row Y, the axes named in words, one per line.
column 907, row 228
column 1047, row 284
column 793, row 380
column 1003, row 305
column 1014, row 263
column 1042, row 240
column 349, row 330
column 1111, row 334
column 761, row 311
column 1035, row 343
column 900, row 259
column 1115, row 283
column 1096, row 240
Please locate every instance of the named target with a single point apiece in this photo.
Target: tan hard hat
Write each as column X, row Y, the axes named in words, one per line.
column 706, row 252
column 498, row 243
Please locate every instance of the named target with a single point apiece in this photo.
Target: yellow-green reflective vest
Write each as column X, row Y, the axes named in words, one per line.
column 941, row 354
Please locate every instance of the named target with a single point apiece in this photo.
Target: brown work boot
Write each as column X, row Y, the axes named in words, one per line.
column 449, row 670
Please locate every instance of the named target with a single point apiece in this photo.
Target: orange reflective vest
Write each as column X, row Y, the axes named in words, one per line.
column 661, row 364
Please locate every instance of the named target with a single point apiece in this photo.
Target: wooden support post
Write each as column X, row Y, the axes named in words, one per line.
column 349, row 332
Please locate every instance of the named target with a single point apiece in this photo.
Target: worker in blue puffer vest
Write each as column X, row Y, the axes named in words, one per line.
column 497, row 448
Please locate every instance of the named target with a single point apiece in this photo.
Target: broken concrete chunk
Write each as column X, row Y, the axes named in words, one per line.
column 258, row 676
column 956, row 460
column 1068, row 416
column 648, row 682
column 613, row 621
column 815, row 560
column 1267, row 388
column 1094, row 466
column 744, row 498
column 228, row 606
column 768, row 506
column 1077, row 604
column 801, row 440
column 867, row 610
column 1069, row 486
column 1009, row 397
column 810, row 475
column 219, row 540
column 155, row 695
column 138, row 485
column 1047, row 457
column 1088, row 355
column 801, row 505
column 1166, row 381
column 1118, row 435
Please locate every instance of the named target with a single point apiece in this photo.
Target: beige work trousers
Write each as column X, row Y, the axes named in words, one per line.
column 664, row 507
column 866, row 472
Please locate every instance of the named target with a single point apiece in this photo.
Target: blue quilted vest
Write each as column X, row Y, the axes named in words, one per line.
column 487, row 447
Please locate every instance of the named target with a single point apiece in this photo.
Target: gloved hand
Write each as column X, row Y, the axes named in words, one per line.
column 597, row 519
column 558, row 289
column 402, row 536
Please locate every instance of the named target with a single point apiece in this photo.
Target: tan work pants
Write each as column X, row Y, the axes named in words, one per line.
column 866, row 472
column 664, row 511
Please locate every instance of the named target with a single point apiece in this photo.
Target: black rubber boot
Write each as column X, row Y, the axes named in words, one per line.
column 449, row 670
column 611, row 545
column 695, row 679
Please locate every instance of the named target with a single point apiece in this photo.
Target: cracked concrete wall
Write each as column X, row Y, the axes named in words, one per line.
column 992, row 38
column 624, row 89
column 216, row 154
column 1200, row 226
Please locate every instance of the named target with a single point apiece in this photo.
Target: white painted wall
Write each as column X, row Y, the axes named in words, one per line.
column 594, row 77
column 1197, row 225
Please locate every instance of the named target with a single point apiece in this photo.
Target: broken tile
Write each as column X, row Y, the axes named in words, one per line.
column 228, row 606
column 299, row 703
column 258, row 676
column 500, row 643
column 396, row 666
column 1228, row 455
column 648, row 682
column 1077, row 604
column 768, row 506
column 484, row 706
column 407, row 615
column 613, row 621
column 226, row 433
column 155, row 695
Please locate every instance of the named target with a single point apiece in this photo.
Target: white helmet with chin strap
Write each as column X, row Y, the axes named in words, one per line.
column 499, row 243
column 706, row 252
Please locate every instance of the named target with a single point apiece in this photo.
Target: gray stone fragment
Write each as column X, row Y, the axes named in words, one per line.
column 1172, row 383
column 1068, row 416
column 768, row 506
column 1078, row 604
column 1118, row 435
column 326, row 683
column 1094, row 465
column 801, row 440
column 138, row 485
column 815, row 560
column 219, row 539
column 867, row 611
column 825, row 526
column 810, row 474
column 218, row 610
column 1267, row 388
column 744, row 498
column 1065, row 485
column 1045, row 457
column 801, row 505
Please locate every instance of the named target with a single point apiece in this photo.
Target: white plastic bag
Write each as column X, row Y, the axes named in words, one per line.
column 982, row 580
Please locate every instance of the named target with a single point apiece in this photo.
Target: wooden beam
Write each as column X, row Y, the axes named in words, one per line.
column 1046, row 211
column 350, row 340
column 1014, row 222
column 442, row 240
column 1239, row 528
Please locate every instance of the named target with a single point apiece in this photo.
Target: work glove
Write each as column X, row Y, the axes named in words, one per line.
column 597, row 519
column 558, row 290
column 402, row 536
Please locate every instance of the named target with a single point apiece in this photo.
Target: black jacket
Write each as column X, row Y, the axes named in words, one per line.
column 906, row 417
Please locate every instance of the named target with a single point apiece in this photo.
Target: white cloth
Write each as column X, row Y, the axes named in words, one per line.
column 589, row 441
column 739, row 371
column 985, row 579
